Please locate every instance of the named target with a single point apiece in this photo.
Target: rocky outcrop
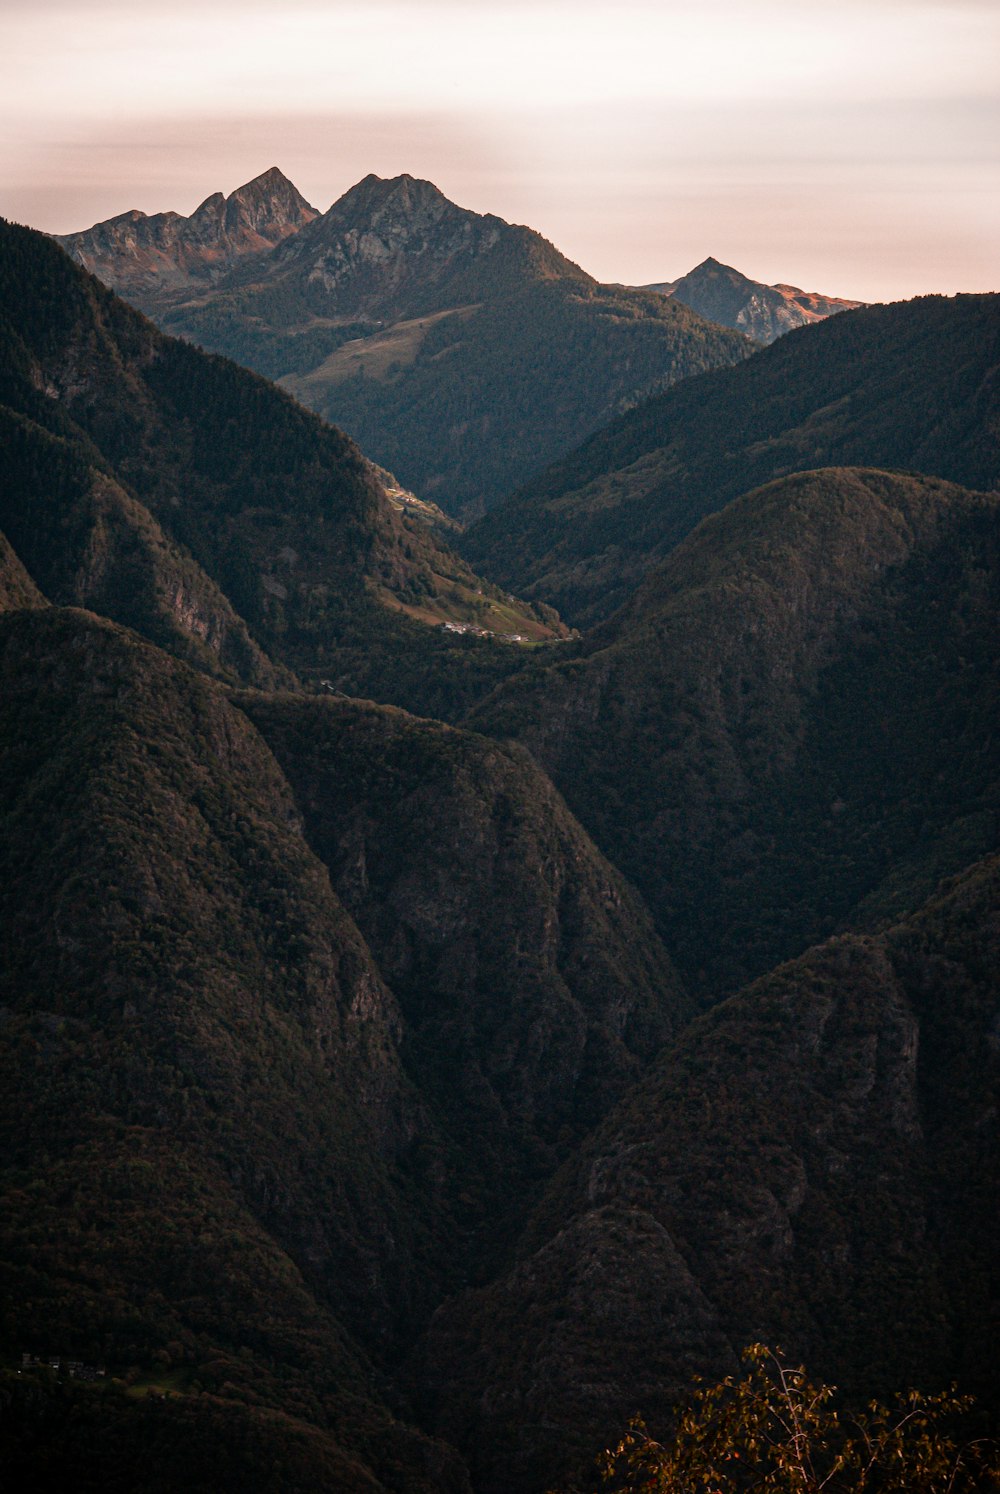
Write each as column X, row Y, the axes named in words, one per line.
column 763, row 312
column 461, row 351
column 142, row 256
column 398, row 246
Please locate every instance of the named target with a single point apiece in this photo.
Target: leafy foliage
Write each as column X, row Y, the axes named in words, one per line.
column 775, row 1431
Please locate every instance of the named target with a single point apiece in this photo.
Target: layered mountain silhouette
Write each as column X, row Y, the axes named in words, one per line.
column 395, row 1105
column 915, row 385
column 461, row 351
column 763, row 312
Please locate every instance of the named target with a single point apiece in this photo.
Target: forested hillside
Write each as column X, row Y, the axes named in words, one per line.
column 815, row 1157
column 196, row 502
column 237, row 1168
column 791, row 726
column 914, row 385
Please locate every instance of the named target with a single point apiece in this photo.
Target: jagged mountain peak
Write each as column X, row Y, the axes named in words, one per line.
column 141, row 255
column 712, row 268
column 764, row 312
column 273, row 191
column 373, row 189
column 395, row 242
column 272, row 177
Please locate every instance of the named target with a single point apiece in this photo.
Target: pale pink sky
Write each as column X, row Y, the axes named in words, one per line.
column 850, row 147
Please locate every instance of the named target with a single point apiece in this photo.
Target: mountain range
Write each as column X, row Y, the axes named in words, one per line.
column 422, row 1049
column 460, row 351
column 141, row 255
column 202, row 506
column 911, row 385
column 763, row 312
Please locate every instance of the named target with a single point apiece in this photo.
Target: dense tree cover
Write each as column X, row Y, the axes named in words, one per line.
column 531, row 982
column 304, row 999
column 912, row 386
column 16, row 587
column 87, row 543
column 221, row 483
column 790, row 727
column 233, row 1162
column 814, row 1160
column 143, row 1439
column 203, row 1109
column 493, row 395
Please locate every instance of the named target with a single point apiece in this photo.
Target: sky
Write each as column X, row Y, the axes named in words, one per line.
column 849, row 147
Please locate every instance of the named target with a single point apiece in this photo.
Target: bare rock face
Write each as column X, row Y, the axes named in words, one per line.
column 137, row 254
column 396, row 244
column 763, row 312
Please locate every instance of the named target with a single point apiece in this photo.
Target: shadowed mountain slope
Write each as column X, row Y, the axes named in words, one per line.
column 203, row 1105
column 531, row 981
column 87, row 543
column 914, row 385
column 462, row 352
column 17, row 589
column 796, row 713
column 763, row 312
column 166, row 456
column 238, row 1168
column 813, row 1164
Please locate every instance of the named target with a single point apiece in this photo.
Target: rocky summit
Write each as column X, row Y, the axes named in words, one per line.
column 399, row 245
column 144, row 257
column 763, row 312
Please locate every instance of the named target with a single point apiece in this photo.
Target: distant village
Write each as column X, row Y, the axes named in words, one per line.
column 74, row 1368
column 452, row 627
